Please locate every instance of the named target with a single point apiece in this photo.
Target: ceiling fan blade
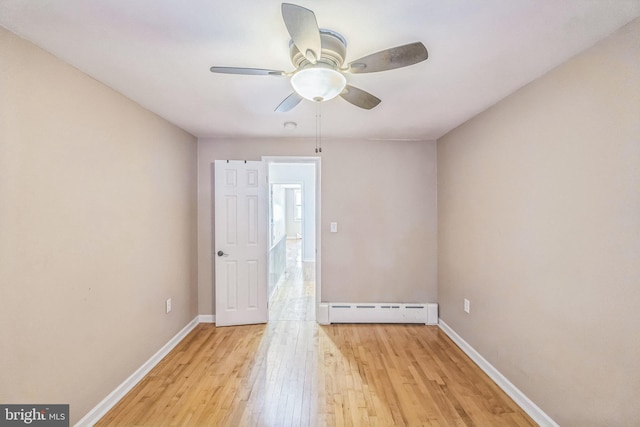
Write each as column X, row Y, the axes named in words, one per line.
column 247, row 71
column 288, row 103
column 303, row 29
column 396, row 57
column 359, row 97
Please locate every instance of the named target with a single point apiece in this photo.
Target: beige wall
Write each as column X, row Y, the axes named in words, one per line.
column 97, row 228
column 539, row 226
column 383, row 196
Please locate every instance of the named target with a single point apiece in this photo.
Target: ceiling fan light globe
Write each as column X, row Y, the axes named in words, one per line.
column 318, row 84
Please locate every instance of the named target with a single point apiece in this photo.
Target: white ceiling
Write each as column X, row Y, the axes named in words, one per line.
column 158, row 53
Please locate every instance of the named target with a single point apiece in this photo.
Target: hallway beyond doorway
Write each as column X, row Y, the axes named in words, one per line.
column 294, row 299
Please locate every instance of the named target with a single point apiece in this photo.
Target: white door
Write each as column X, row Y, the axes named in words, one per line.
column 240, row 249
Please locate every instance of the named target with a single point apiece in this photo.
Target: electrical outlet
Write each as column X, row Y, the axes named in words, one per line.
column 467, row 306
column 168, row 305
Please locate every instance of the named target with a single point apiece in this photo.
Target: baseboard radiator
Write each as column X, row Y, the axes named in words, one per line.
column 383, row 313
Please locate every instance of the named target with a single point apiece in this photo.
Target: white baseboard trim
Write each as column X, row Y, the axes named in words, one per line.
column 207, row 318
column 94, row 415
column 512, row 391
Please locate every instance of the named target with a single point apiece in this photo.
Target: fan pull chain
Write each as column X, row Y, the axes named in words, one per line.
column 318, row 127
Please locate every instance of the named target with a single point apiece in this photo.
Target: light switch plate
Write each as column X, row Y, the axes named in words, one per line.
column 334, row 227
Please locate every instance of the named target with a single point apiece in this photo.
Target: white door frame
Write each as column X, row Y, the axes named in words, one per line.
column 321, row 316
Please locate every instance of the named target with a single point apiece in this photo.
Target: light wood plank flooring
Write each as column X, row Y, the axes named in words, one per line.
column 294, row 372
column 294, row 299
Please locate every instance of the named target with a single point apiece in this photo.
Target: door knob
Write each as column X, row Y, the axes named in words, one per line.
column 220, row 253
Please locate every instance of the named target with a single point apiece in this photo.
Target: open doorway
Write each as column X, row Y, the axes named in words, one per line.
column 293, row 234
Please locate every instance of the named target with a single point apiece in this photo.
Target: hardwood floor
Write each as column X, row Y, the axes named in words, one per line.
column 294, row 299
column 294, row 372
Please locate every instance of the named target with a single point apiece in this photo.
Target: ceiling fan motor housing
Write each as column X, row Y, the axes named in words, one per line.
column 334, row 50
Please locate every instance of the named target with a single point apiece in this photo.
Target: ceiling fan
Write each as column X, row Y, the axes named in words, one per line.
column 318, row 56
